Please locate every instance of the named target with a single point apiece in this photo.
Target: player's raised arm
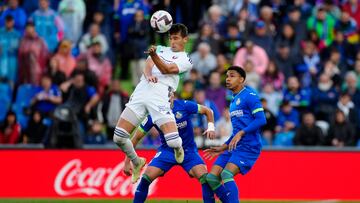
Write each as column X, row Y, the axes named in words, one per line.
column 148, row 69
column 210, row 131
column 164, row 68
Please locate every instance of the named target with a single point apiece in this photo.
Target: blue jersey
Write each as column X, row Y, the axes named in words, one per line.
column 243, row 108
column 182, row 111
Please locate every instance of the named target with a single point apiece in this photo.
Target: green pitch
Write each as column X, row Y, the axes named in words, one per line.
column 150, row 201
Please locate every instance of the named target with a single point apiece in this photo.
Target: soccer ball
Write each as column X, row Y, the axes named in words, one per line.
column 161, row 21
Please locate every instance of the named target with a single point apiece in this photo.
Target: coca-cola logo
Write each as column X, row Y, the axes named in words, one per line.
column 73, row 179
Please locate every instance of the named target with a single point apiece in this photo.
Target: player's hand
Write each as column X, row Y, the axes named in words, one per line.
column 235, row 140
column 151, row 51
column 128, row 167
column 210, row 134
column 152, row 79
column 213, row 152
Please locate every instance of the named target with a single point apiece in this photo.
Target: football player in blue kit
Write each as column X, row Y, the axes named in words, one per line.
column 239, row 153
column 164, row 159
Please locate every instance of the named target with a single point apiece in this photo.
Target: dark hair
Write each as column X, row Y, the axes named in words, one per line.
column 239, row 70
column 179, row 28
column 5, row 122
column 30, row 24
column 9, row 18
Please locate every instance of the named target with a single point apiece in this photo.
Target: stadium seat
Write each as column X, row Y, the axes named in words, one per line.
column 24, row 95
column 5, row 99
column 284, row 139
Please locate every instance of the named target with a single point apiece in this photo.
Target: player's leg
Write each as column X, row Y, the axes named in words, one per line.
column 172, row 138
column 200, row 172
column 227, row 176
column 126, row 124
column 150, row 174
column 214, row 179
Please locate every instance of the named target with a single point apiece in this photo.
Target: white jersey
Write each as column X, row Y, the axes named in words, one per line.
column 181, row 59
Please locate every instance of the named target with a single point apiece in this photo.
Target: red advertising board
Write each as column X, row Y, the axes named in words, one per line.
column 98, row 174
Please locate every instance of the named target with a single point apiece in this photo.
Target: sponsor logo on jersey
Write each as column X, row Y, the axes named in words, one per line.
column 178, row 115
column 237, row 113
column 182, row 124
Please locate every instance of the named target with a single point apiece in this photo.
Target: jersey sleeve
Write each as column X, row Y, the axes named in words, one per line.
column 184, row 63
column 191, row 107
column 146, row 125
column 254, row 104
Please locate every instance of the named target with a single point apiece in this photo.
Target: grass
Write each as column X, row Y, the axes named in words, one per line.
column 150, row 201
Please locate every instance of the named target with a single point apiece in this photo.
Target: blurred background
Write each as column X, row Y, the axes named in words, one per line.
column 301, row 56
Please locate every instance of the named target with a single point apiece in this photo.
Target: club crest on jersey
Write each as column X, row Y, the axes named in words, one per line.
column 178, row 115
column 238, row 101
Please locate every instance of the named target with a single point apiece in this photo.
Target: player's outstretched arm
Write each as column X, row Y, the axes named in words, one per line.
column 164, row 68
column 214, row 151
column 210, row 131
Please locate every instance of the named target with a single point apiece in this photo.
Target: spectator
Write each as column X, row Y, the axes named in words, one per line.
column 252, row 78
column 268, row 129
column 332, row 8
column 324, row 98
column 273, row 76
column 222, row 65
column 83, row 68
column 95, row 135
column 216, row 20
column 262, row 37
column 17, row 13
column 106, row 25
column 100, row 64
column 232, row 41
column 223, row 126
column 48, row 25
column 10, row 129
column 9, row 44
column 288, row 36
column 113, row 103
column 288, row 118
column 310, row 65
column 33, row 55
column 350, row 86
column 357, row 72
column 297, row 96
column 66, row 61
column 56, row 75
column 73, row 14
column 305, row 8
column 267, row 15
column 199, row 121
column 346, row 106
column 47, row 98
column 296, row 21
column 341, row 132
column 231, row 8
column 216, row 92
column 203, row 60
column 94, row 35
column 244, row 23
column 323, row 24
column 348, row 27
column 273, row 98
column 138, row 42
column 284, row 60
column 333, row 72
column 80, row 97
column 36, row 130
column 353, row 8
column 206, row 34
column 253, row 53
column 187, row 90
column 308, row 134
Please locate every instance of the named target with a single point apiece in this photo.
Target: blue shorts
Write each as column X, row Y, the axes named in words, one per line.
column 244, row 159
column 165, row 160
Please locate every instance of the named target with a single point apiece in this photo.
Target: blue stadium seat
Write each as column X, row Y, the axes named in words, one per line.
column 5, row 99
column 24, row 95
column 284, row 139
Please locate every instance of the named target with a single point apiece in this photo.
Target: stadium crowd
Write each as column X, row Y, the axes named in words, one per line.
column 63, row 63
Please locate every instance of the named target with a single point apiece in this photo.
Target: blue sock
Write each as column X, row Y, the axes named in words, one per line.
column 220, row 191
column 142, row 189
column 229, row 183
column 207, row 193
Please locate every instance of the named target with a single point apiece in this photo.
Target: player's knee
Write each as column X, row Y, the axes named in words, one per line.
column 227, row 176
column 120, row 136
column 173, row 140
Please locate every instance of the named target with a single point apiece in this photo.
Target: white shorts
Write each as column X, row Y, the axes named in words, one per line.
column 151, row 98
